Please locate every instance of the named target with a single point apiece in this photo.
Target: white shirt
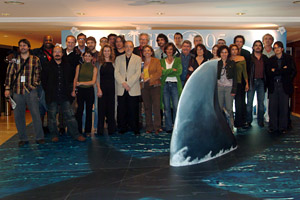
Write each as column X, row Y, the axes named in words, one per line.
column 169, row 66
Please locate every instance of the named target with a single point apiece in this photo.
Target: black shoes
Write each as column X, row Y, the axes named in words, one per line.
column 41, row 141
column 22, row 143
column 247, row 125
column 261, row 124
column 136, row 133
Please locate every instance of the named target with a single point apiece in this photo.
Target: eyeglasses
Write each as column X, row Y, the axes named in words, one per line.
column 81, row 39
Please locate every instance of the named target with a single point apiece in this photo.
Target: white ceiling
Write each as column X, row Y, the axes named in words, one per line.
column 40, row 17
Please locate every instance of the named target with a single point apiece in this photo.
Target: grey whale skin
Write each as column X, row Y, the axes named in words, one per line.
column 201, row 132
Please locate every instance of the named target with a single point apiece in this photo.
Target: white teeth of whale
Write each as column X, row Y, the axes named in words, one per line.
column 200, row 132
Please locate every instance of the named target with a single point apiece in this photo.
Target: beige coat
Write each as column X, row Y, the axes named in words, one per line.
column 132, row 75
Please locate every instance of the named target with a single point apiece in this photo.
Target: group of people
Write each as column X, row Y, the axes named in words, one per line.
column 129, row 78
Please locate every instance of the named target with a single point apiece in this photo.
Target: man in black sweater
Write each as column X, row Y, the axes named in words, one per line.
column 58, row 85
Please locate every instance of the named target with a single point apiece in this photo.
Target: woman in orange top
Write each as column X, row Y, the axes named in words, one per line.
column 150, row 76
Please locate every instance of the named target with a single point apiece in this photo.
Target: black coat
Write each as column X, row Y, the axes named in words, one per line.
column 39, row 52
column 230, row 73
column 287, row 74
column 50, row 80
column 251, row 71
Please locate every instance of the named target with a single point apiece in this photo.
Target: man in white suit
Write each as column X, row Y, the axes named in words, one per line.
column 127, row 75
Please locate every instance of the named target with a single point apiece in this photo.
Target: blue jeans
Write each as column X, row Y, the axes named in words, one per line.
column 68, row 116
column 226, row 101
column 259, row 88
column 170, row 92
column 42, row 101
column 32, row 102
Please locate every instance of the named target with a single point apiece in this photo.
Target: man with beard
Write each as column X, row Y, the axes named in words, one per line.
column 257, row 83
column 22, row 78
column 45, row 55
column 144, row 39
column 91, row 45
column 57, row 82
column 161, row 40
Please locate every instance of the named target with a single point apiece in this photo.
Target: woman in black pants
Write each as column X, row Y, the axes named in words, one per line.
column 106, row 90
column 85, row 78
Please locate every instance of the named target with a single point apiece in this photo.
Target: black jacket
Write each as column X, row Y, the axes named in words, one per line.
column 39, row 52
column 230, row 73
column 251, row 70
column 74, row 59
column 50, row 79
column 287, row 74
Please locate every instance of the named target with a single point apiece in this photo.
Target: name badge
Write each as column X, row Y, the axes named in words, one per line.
column 22, row 79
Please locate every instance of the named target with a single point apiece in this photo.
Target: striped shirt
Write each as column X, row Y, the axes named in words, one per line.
column 31, row 72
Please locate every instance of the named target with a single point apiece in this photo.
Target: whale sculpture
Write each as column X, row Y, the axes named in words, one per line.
column 200, row 132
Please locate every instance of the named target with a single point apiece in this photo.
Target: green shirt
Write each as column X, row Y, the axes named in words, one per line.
column 241, row 70
column 86, row 72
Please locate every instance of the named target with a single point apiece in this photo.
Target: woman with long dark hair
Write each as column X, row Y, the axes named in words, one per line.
column 85, row 78
column 226, row 82
column 106, row 90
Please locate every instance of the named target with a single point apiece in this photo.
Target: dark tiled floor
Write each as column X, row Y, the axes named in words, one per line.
column 128, row 167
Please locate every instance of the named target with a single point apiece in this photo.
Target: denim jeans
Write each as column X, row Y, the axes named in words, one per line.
column 259, row 88
column 42, row 101
column 68, row 115
column 226, row 101
column 170, row 92
column 32, row 102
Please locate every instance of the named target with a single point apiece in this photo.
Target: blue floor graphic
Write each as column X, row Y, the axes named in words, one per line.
column 274, row 173
column 137, row 166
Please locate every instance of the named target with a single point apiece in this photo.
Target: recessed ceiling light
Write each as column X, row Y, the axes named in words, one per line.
column 240, row 13
column 160, row 13
column 296, row 2
column 155, row 2
column 80, row 13
column 14, row 2
column 5, row 14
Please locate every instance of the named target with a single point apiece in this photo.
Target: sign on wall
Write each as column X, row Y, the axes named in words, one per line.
column 210, row 37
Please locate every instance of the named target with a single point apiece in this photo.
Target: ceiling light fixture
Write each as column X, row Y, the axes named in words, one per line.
column 14, row 2
column 155, row 2
column 80, row 13
column 240, row 13
column 296, row 2
column 5, row 14
column 160, row 13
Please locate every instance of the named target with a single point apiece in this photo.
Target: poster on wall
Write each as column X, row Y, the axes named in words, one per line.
column 210, row 37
